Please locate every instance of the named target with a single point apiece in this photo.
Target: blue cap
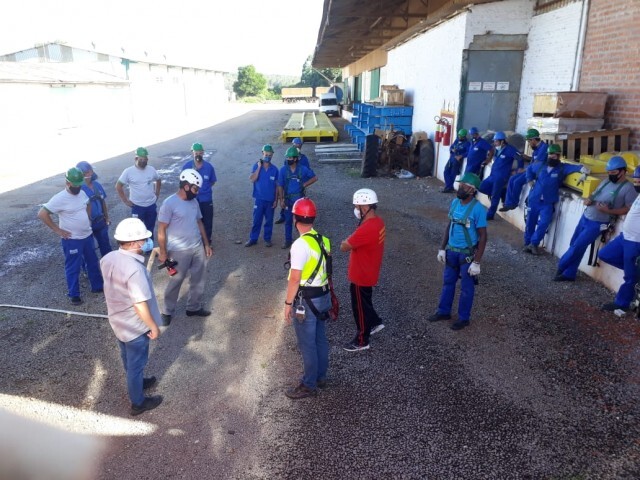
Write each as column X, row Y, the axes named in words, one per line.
column 616, row 163
column 297, row 141
column 636, row 172
column 84, row 167
column 499, row 136
column 473, row 131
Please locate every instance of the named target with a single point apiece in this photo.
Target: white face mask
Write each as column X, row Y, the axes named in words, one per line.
column 356, row 212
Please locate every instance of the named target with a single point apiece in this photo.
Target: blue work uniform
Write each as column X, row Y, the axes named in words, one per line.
column 478, row 151
column 264, row 194
column 464, row 222
column 519, row 180
column 501, row 170
column 543, row 197
column 293, row 185
column 205, row 194
column 99, row 225
column 304, row 161
column 453, row 166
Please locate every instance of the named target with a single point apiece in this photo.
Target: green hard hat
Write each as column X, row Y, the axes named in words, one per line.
column 75, row 176
column 554, row 148
column 470, row 179
column 141, row 152
column 532, row 133
column 292, row 152
column 267, row 148
column 197, row 147
column 462, row 132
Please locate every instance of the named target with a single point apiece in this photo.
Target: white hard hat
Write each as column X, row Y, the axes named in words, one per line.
column 365, row 196
column 130, row 230
column 191, row 176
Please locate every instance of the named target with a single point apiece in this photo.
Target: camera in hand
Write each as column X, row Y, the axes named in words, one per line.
column 169, row 264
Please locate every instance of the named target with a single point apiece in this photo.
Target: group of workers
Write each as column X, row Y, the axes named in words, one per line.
column 465, row 237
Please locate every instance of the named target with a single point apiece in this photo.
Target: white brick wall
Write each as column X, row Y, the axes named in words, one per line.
column 509, row 17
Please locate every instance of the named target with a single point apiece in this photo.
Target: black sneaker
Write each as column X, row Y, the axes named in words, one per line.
column 149, row 404
column 198, row 313
column 535, row 250
column 250, row 243
column 300, row 391
column 436, row 317
column 354, row 347
column 506, row 208
column 279, row 221
column 610, row 307
column 460, row 324
column 526, row 249
column 75, row 301
column 149, row 382
column 166, row 319
column 562, row 278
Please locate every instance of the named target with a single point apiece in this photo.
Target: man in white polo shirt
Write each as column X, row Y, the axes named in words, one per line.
column 132, row 307
column 144, row 189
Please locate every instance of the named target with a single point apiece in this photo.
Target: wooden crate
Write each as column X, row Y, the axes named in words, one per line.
column 393, row 97
column 590, row 143
column 570, row 104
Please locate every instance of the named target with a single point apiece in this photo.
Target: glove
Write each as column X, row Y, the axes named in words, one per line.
column 585, row 170
column 442, row 256
column 474, row 269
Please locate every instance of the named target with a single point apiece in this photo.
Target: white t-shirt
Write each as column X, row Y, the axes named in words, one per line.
column 181, row 216
column 142, row 184
column 301, row 253
column 72, row 213
column 631, row 225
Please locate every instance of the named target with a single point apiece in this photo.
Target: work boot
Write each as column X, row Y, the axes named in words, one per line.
column 286, row 245
column 506, row 208
column 149, row 403
column 250, row 243
column 300, row 391
column 534, row 250
column 436, row 317
column 526, row 249
column 460, row 324
column 610, row 307
column 279, row 221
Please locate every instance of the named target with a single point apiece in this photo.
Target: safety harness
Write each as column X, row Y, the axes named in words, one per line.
column 306, row 291
column 287, row 179
column 464, row 223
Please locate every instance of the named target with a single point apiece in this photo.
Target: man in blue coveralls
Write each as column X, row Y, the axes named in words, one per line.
column 480, row 152
column 612, row 198
column 303, row 160
column 99, row 212
column 518, row 181
column 205, row 194
column 457, row 153
column 548, row 177
column 264, row 176
column 501, row 170
column 461, row 251
column 292, row 180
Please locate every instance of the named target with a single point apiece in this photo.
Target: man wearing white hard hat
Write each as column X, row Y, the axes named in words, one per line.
column 132, row 307
column 182, row 237
column 366, row 245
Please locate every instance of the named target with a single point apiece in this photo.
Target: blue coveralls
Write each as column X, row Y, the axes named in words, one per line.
column 494, row 184
column 519, row 180
column 543, row 197
column 205, row 194
column 622, row 254
column 304, row 161
column 458, row 250
column 264, row 194
column 292, row 183
column 477, row 154
column 98, row 221
column 453, row 166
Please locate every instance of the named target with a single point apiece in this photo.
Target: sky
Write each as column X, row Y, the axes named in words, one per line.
column 217, row 34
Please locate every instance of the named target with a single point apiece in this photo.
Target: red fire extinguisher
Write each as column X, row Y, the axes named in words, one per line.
column 446, row 135
column 438, row 135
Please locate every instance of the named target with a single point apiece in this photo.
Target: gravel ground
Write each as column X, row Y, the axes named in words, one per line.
column 541, row 385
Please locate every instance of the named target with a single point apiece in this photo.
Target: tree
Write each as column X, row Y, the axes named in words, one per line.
column 250, row 83
column 311, row 77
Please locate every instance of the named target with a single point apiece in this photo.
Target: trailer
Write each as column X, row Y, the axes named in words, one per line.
column 297, row 94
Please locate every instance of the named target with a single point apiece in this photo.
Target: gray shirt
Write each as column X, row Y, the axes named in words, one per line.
column 625, row 197
column 127, row 282
column 182, row 217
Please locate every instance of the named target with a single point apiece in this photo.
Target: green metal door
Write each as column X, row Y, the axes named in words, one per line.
column 375, row 84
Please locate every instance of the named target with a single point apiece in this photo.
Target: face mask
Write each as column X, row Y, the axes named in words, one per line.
column 267, row 159
column 462, row 194
column 147, row 246
column 613, row 178
column 74, row 190
column 553, row 162
column 190, row 194
column 357, row 213
column 290, row 162
column 199, row 158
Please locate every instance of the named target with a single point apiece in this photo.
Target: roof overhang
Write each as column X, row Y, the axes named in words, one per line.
column 352, row 29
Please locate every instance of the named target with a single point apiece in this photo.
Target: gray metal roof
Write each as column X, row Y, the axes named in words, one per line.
column 55, row 73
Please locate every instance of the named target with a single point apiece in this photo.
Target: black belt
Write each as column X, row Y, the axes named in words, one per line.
column 314, row 292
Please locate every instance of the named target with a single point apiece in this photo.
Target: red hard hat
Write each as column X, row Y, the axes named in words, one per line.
column 304, row 207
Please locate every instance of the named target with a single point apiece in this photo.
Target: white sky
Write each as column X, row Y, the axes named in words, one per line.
column 275, row 36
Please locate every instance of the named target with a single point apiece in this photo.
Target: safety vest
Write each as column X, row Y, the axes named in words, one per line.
column 315, row 261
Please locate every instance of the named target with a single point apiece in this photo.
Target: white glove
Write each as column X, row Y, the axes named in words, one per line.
column 474, row 269
column 585, row 170
column 442, row 256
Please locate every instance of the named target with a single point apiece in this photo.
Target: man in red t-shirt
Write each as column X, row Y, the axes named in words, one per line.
column 366, row 245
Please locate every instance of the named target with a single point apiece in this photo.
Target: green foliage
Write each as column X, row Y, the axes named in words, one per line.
column 249, row 82
column 316, row 78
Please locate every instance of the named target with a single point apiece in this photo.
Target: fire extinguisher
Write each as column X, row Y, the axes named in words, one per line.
column 446, row 135
column 438, row 135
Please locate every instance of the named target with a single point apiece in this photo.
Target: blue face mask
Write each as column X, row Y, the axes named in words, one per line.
column 267, row 159
column 147, row 246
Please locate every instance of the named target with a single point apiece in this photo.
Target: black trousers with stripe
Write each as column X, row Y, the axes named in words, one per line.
column 364, row 314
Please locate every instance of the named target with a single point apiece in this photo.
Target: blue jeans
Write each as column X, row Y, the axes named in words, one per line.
column 135, row 355
column 262, row 209
column 451, row 172
column 538, row 221
column 206, row 209
column 312, row 342
column 514, row 189
column 457, row 266
column 148, row 215
column 623, row 254
column 584, row 235
column 75, row 253
column 493, row 187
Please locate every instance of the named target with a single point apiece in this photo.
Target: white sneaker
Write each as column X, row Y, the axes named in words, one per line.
column 376, row 329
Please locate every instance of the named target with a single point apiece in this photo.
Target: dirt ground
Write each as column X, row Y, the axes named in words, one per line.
column 541, row 385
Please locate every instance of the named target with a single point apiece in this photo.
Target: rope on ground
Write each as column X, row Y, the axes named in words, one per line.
column 68, row 312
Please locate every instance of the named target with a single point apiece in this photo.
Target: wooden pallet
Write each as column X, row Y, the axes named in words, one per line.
column 590, row 143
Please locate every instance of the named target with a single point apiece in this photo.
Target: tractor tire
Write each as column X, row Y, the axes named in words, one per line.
column 426, row 157
column 370, row 157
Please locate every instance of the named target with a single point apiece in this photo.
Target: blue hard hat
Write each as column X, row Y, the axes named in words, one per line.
column 616, row 163
column 636, row 172
column 499, row 136
column 473, row 131
column 84, row 167
column 297, row 141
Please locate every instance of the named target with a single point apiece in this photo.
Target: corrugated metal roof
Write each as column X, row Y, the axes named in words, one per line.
column 55, row 73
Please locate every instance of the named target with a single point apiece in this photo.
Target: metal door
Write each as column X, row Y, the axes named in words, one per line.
column 491, row 87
